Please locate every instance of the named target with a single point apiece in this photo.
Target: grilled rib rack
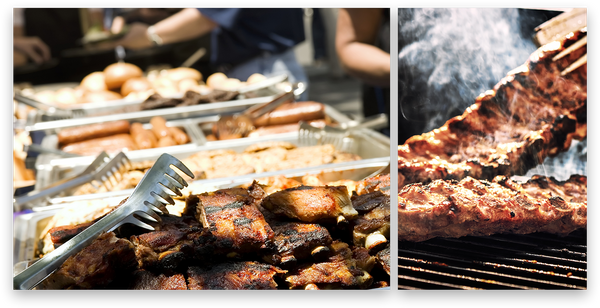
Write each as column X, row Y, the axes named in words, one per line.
column 507, row 261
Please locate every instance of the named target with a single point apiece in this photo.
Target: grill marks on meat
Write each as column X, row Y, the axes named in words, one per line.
column 530, row 114
column 372, row 228
column 340, row 270
column 234, row 276
column 234, row 221
column 186, row 252
column 299, row 241
column 473, row 207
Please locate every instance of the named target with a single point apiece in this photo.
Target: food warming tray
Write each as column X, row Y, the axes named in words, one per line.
column 28, row 227
column 262, row 91
column 50, row 168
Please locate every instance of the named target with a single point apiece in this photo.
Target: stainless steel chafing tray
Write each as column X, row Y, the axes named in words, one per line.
column 51, row 168
column 260, row 91
column 28, row 227
column 146, row 115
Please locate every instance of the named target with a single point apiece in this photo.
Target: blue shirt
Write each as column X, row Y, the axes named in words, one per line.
column 245, row 33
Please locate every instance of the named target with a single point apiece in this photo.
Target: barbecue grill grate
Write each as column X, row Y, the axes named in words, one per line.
column 506, row 261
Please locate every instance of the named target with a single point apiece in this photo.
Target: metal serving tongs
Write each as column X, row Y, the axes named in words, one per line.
column 151, row 194
column 101, row 169
column 49, row 110
column 240, row 125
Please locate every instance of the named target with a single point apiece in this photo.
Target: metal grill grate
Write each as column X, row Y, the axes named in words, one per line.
column 534, row 261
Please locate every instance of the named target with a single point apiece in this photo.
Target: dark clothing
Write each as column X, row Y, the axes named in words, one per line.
column 59, row 28
column 376, row 100
column 244, row 34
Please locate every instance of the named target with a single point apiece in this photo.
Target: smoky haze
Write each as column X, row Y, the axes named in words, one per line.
column 447, row 57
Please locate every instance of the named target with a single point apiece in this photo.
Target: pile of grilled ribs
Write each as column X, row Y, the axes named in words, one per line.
column 454, row 181
column 305, row 237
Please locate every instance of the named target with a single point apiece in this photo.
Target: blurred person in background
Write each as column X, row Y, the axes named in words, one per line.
column 243, row 41
column 41, row 36
column 363, row 46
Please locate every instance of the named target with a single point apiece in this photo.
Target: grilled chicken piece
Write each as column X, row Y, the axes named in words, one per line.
column 235, row 223
column 234, row 276
column 312, row 204
column 473, row 207
column 145, row 280
column 339, row 271
column 105, row 260
column 530, row 114
column 298, row 241
column 372, row 227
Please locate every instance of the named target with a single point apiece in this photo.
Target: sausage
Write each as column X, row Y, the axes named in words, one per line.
column 159, row 127
column 87, row 132
column 178, row 135
column 110, row 144
column 292, row 113
column 144, row 139
column 166, row 142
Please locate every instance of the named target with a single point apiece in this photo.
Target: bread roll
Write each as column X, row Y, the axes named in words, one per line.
column 180, row 73
column 215, row 80
column 116, row 74
column 136, row 84
column 94, row 82
column 254, row 78
column 100, row 96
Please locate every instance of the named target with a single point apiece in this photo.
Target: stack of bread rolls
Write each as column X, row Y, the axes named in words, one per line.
column 127, row 81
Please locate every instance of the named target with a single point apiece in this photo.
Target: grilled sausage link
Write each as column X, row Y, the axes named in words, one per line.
column 81, row 133
column 292, row 113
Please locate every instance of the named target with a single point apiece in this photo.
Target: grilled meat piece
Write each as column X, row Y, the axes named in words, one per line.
column 145, row 280
column 372, row 227
column 170, row 247
column 105, row 260
column 383, row 258
column 572, row 190
column 234, row 221
column 312, row 204
column 473, row 207
column 341, row 270
column 379, row 182
column 234, row 276
column 298, row 241
column 530, row 114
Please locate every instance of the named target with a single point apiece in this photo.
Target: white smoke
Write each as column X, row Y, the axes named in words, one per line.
column 455, row 55
column 452, row 56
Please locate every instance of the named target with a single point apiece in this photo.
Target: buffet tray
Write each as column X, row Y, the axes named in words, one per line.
column 51, row 168
column 28, row 227
column 260, row 91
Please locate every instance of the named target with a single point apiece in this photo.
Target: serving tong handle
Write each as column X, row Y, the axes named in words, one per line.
column 145, row 201
column 100, row 169
column 51, row 110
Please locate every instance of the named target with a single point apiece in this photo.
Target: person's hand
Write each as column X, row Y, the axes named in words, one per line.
column 136, row 37
column 33, row 48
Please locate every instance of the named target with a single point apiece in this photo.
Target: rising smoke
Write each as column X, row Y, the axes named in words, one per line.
column 447, row 57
